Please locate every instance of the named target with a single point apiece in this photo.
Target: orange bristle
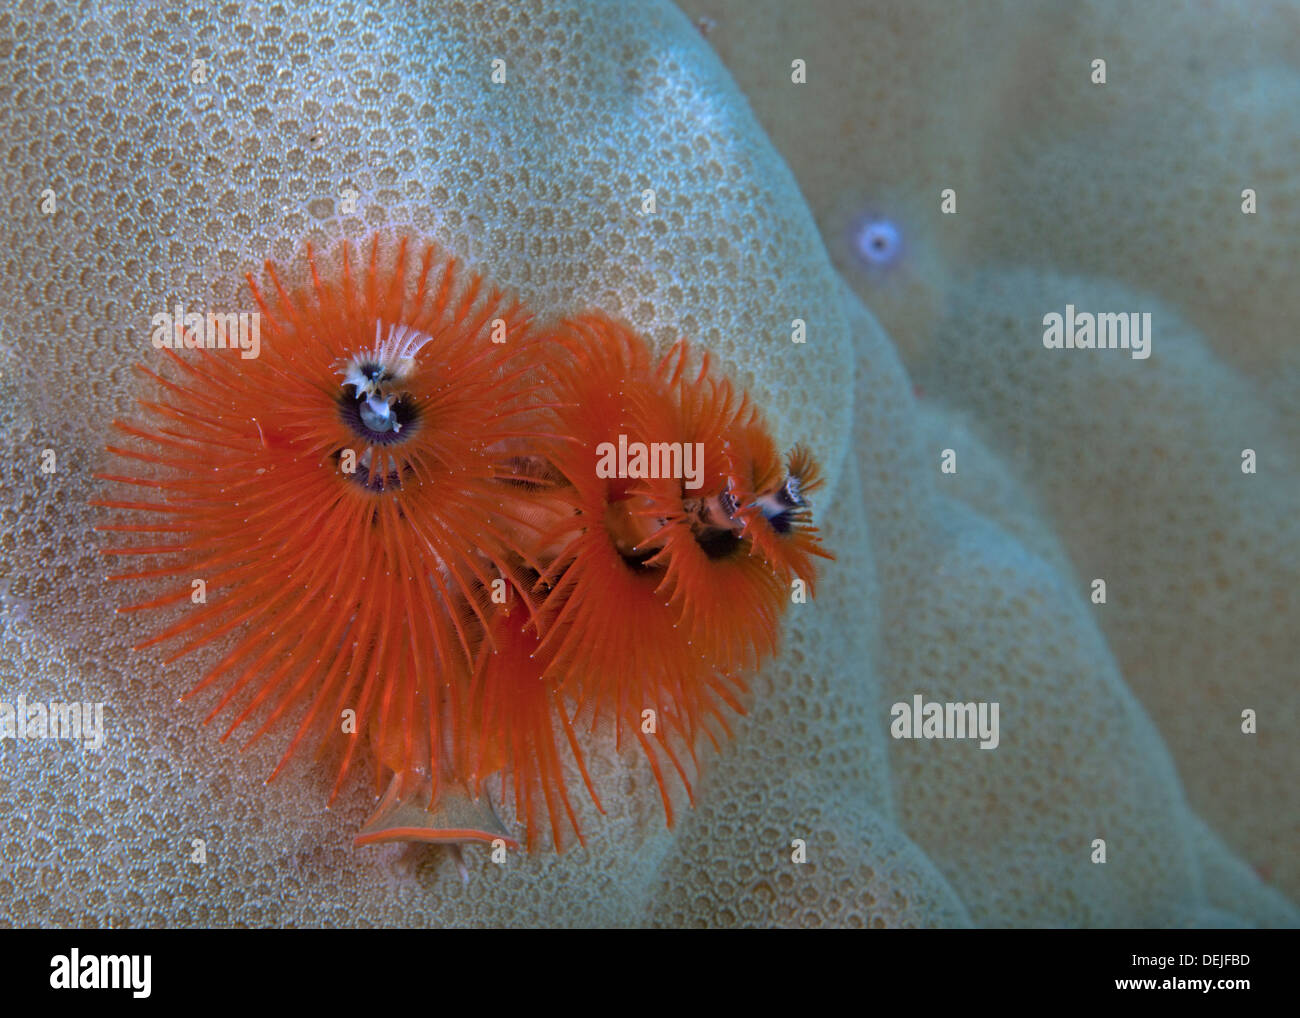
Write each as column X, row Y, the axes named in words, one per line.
column 642, row 617
column 338, row 515
column 731, row 600
column 755, row 473
column 356, row 498
column 511, row 714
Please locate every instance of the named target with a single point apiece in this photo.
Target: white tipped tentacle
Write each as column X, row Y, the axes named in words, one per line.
column 390, row 361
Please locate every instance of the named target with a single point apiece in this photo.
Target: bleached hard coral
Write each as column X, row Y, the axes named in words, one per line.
column 1198, row 122
column 927, row 83
column 995, row 101
column 1139, row 465
column 1011, row 828
column 1142, row 178
column 168, row 187
column 181, row 146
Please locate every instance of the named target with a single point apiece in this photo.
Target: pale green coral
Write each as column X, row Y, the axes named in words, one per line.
column 967, row 586
column 1125, row 470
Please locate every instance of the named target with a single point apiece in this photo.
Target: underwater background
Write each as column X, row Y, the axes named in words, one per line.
column 920, row 184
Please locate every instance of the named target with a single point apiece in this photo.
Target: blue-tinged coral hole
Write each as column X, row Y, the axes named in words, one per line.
column 877, row 242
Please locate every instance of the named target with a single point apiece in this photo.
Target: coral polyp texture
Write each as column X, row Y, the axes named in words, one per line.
column 865, row 358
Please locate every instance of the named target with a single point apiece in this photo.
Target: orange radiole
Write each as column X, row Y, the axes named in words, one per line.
column 413, row 543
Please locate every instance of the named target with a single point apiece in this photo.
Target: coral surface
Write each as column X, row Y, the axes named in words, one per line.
column 156, row 152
